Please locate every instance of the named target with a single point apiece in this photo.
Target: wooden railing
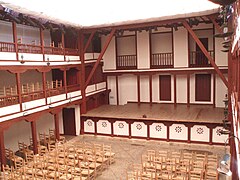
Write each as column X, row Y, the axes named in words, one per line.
column 198, row 59
column 127, row 62
column 71, row 52
column 161, row 60
column 29, row 91
column 53, row 50
column 27, row 48
column 7, row 47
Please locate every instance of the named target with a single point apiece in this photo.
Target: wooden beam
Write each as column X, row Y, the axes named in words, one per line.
column 205, row 52
column 19, row 90
column 138, row 90
column 42, row 42
column 215, row 24
column 44, row 86
column 89, row 40
column 83, row 108
column 65, row 81
column 63, row 46
column 100, row 57
column 34, row 136
column 2, row 148
column 14, row 29
column 56, row 123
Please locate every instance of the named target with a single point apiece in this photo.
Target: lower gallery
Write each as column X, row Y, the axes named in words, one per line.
column 146, row 98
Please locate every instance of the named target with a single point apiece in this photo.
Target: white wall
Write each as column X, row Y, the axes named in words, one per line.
column 181, row 88
column 144, row 89
column 109, row 57
column 180, row 42
column 111, row 81
column 221, row 58
column 143, row 51
column 126, row 45
column 161, row 42
column 221, row 90
column 127, row 88
column 6, row 32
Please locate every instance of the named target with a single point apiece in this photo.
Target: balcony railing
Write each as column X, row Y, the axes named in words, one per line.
column 198, row 59
column 127, row 62
column 7, row 47
column 27, row 48
column 53, row 50
column 71, row 52
column 161, row 60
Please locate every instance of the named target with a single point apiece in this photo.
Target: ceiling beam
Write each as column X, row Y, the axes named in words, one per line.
column 205, row 52
column 100, row 57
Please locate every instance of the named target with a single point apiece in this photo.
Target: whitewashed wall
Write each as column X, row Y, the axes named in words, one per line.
column 144, row 88
column 143, row 51
column 221, row 90
column 161, row 42
column 181, row 88
column 109, row 57
column 6, row 32
column 126, row 45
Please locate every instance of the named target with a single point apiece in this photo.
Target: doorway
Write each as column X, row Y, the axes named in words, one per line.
column 69, row 124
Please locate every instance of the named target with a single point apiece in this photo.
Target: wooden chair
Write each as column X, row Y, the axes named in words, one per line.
column 109, row 154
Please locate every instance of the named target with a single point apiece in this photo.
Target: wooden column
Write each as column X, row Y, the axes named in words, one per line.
column 2, row 148
column 138, row 90
column 150, row 89
column 19, row 90
column 42, row 42
column 117, row 92
column 175, row 90
column 34, row 136
column 65, row 81
column 14, row 29
column 82, row 80
column 56, row 122
column 63, row 46
column 44, row 86
column 188, row 90
column 82, row 125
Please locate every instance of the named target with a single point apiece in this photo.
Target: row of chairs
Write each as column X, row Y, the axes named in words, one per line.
column 79, row 160
column 180, row 165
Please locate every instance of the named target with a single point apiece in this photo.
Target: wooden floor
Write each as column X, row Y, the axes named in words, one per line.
column 166, row 112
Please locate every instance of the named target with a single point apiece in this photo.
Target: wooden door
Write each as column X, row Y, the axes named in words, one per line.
column 69, row 124
column 201, row 59
column 165, row 87
column 203, row 87
column 72, row 77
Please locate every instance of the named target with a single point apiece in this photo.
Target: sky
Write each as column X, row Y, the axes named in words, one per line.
column 97, row 12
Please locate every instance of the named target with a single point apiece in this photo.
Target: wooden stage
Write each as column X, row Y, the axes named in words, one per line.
column 166, row 112
column 194, row 124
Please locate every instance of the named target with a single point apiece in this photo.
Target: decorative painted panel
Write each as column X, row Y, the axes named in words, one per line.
column 90, row 88
column 139, row 129
column 158, row 130
column 121, row 128
column 200, row 133
column 7, row 56
column 178, row 132
column 30, row 57
column 101, row 85
column 9, row 109
column 89, row 126
column 54, row 57
column 33, row 104
column 103, row 127
column 217, row 136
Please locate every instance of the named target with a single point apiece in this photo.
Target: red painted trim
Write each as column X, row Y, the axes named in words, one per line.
column 138, row 90
column 2, row 149
column 112, row 129
column 34, row 136
column 130, row 129
column 95, row 126
column 175, row 89
column 150, row 89
column 189, row 134
column 210, row 135
column 188, row 90
column 168, row 133
column 148, row 131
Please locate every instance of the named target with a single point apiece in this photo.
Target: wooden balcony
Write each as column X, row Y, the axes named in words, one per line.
column 198, row 59
column 27, row 48
column 7, row 47
column 161, row 60
column 71, row 52
column 126, row 62
column 53, row 50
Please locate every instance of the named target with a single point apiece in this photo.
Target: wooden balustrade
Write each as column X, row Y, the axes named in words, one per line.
column 198, row 59
column 7, row 47
column 53, row 50
column 72, row 52
column 28, row 48
column 161, row 60
column 127, row 62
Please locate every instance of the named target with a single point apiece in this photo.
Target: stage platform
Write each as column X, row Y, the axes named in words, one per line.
column 194, row 124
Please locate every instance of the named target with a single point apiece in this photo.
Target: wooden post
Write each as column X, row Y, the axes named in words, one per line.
column 138, row 90
column 44, row 86
column 42, row 42
column 150, row 89
column 56, row 122
column 19, row 91
column 15, row 40
column 63, row 46
column 34, row 137
column 2, row 148
column 65, row 81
